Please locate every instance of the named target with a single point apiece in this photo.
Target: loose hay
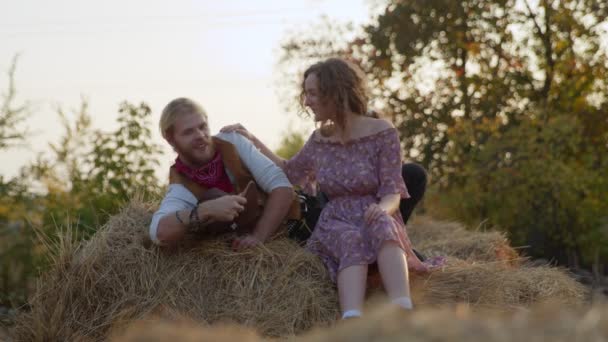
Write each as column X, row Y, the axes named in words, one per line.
column 549, row 323
column 545, row 323
column 450, row 238
column 117, row 277
column 184, row 331
column 496, row 285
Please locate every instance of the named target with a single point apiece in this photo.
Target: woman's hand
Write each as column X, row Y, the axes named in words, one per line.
column 240, row 129
column 373, row 213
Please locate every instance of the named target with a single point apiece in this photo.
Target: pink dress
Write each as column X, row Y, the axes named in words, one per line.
column 353, row 176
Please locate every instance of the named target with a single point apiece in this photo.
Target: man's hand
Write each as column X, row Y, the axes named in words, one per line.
column 246, row 241
column 222, row 209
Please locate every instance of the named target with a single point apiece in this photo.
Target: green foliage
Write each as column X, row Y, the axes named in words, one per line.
column 93, row 173
column 535, row 181
column 88, row 176
column 291, row 143
column 11, row 115
column 16, row 205
column 17, row 263
column 122, row 163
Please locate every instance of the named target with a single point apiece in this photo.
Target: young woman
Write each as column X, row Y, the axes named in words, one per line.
column 356, row 161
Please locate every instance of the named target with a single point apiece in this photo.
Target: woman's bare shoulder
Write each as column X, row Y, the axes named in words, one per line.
column 374, row 125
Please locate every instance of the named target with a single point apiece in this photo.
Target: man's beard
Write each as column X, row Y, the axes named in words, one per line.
column 190, row 157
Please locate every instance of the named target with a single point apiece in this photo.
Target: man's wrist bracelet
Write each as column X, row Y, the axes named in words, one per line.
column 179, row 218
column 193, row 217
column 196, row 224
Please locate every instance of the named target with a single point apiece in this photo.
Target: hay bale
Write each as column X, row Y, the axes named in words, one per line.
column 279, row 290
column 386, row 323
column 118, row 276
column 452, row 239
column 496, row 285
column 184, row 331
column 484, row 271
column 543, row 323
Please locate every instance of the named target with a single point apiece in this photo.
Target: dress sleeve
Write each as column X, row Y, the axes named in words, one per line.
column 300, row 169
column 389, row 168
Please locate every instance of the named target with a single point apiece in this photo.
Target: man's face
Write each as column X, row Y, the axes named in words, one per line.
column 191, row 139
column 314, row 100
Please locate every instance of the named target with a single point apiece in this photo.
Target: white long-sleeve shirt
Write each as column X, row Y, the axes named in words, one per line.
column 266, row 174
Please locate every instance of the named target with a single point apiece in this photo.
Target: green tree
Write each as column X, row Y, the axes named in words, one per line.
column 531, row 181
column 17, row 266
column 87, row 177
column 12, row 115
column 433, row 63
column 16, row 203
column 93, row 173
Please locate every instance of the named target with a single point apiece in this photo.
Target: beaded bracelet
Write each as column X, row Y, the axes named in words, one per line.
column 196, row 225
column 179, row 218
column 194, row 219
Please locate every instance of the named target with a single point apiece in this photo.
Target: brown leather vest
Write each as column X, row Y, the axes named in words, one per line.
column 242, row 176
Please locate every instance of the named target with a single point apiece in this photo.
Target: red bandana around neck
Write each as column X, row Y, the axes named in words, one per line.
column 210, row 175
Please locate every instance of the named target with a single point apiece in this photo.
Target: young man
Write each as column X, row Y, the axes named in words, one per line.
column 224, row 163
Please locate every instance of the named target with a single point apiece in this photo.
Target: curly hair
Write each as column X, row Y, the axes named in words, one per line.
column 342, row 83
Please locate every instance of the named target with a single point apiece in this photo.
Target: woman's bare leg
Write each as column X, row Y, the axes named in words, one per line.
column 392, row 264
column 351, row 288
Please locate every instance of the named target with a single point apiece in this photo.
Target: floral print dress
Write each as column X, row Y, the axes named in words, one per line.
column 353, row 176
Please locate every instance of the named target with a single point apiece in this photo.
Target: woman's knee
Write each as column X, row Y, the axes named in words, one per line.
column 352, row 272
column 389, row 245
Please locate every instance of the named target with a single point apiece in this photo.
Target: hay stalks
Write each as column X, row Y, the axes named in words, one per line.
column 99, row 287
column 496, row 285
column 383, row 322
column 452, row 239
column 118, row 277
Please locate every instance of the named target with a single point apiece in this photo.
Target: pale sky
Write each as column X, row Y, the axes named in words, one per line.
column 220, row 53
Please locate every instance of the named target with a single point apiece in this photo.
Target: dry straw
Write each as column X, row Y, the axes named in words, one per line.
column 99, row 287
column 118, row 277
column 484, row 270
column 453, row 239
column 184, row 331
column 496, row 285
column 551, row 323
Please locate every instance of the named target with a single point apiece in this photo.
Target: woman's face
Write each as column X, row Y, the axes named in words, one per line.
column 313, row 99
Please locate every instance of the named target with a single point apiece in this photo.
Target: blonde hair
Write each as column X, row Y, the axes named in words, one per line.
column 174, row 110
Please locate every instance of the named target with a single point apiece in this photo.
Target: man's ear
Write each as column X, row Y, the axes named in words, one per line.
column 168, row 135
column 169, row 138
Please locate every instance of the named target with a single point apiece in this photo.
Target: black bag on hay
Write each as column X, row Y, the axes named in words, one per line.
column 310, row 207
